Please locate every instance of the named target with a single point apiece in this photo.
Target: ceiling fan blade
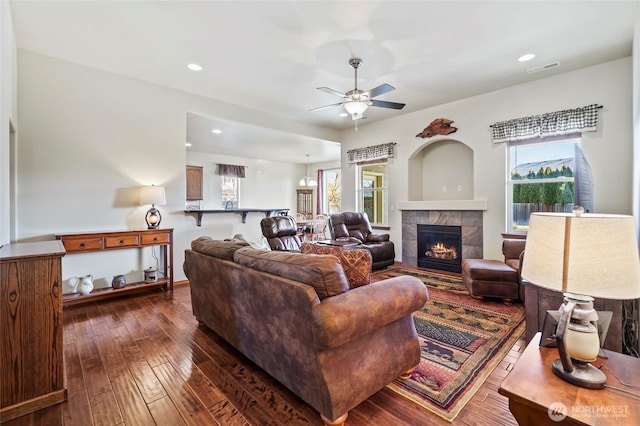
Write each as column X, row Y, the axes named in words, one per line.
column 380, row 90
column 385, row 104
column 326, row 106
column 333, row 92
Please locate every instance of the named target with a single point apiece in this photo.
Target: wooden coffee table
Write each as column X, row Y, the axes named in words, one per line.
column 538, row 397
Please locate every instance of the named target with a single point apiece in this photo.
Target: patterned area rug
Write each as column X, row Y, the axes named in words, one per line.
column 463, row 339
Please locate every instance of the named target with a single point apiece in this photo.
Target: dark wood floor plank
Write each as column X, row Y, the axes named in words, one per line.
column 105, row 410
column 141, row 371
column 112, row 359
column 241, row 399
column 206, row 391
column 226, row 414
column 136, row 330
column 95, row 377
column 86, row 346
column 164, row 412
column 188, row 404
column 73, row 368
column 133, row 408
column 77, row 410
column 154, row 348
column 256, row 381
column 404, row 410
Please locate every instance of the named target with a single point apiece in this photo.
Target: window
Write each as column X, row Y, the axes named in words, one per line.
column 372, row 191
column 230, row 192
column 542, row 178
column 332, row 196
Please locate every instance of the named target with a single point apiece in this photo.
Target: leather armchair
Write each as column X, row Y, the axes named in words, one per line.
column 281, row 233
column 355, row 226
column 513, row 250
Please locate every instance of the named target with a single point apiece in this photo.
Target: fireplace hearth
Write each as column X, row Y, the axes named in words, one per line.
column 440, row 247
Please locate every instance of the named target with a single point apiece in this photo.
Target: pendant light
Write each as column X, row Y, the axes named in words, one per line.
column 307, row 180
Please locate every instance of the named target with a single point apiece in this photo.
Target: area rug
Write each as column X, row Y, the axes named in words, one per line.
column 462, row 339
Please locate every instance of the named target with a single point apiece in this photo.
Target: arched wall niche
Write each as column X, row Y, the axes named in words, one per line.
column 441, row 170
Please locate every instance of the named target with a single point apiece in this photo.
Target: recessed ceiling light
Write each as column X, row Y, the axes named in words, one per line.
column 527, row 57
column 216, row 131
column 194, row 67
column 344, row 114
column 187, row 144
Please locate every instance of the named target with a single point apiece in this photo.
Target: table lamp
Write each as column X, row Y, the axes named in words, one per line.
column 584, row 256
column 152, row 195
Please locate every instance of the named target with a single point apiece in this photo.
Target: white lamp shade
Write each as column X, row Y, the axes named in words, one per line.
column 592, row 254
column 356, row 107
column 152, row 195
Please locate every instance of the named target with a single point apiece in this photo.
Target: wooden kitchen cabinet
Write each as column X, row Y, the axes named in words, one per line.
column 31, row 348
column 194, row 183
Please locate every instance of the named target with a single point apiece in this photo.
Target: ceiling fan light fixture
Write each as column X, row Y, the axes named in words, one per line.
column 356, row 107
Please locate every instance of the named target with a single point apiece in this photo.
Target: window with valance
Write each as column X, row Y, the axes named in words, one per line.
column 231, row 170
column 547, row 168
column 372, row 180
column 371, row 153
column 577, row 120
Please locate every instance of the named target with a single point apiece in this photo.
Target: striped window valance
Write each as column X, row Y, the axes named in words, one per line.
column 231, row 170
column 377, row 152
column 556, row 123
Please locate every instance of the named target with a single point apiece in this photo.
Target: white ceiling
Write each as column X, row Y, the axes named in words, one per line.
column 272, row 55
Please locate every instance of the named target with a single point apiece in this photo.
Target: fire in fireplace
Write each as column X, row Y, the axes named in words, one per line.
column 440, row 247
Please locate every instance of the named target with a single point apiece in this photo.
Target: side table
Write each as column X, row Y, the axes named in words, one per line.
column 536, row 394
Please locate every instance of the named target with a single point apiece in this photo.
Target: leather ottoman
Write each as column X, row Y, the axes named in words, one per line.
column 490, row 278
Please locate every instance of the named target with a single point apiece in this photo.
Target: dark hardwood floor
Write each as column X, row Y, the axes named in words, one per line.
column 143, row 360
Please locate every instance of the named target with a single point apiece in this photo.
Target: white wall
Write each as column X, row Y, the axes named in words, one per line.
column 636, row 126
column 267, row 184
column 90, row 138
column 609, row 150
column 8, row 113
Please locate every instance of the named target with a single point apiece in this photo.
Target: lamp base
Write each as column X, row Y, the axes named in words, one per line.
column 584, row 375
column 153, row 218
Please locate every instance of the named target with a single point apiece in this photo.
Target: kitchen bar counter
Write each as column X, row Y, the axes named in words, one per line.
column 241, row 211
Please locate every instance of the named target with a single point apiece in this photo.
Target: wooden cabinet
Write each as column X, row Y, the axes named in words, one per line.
column 31, row 351
column 99, row 241
column 194, row 183
column 305, row 202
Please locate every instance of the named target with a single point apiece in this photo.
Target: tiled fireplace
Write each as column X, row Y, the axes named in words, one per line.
column 468, row 216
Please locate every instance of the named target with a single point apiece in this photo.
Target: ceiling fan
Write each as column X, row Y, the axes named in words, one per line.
column 356, row 101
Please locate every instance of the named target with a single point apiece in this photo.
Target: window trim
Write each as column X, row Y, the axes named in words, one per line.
column 381, row 191
column 509, row 207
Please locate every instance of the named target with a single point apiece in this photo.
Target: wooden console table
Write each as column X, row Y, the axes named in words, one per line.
column 243, row 212
column 116, row 240
column 31, row 351
column 533, row 389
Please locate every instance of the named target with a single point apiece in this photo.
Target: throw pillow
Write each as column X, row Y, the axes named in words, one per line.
column 356, row 263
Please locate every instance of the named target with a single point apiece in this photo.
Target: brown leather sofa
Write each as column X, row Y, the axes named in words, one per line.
column 281, row 232
column 355, row 226
column 295, row 316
